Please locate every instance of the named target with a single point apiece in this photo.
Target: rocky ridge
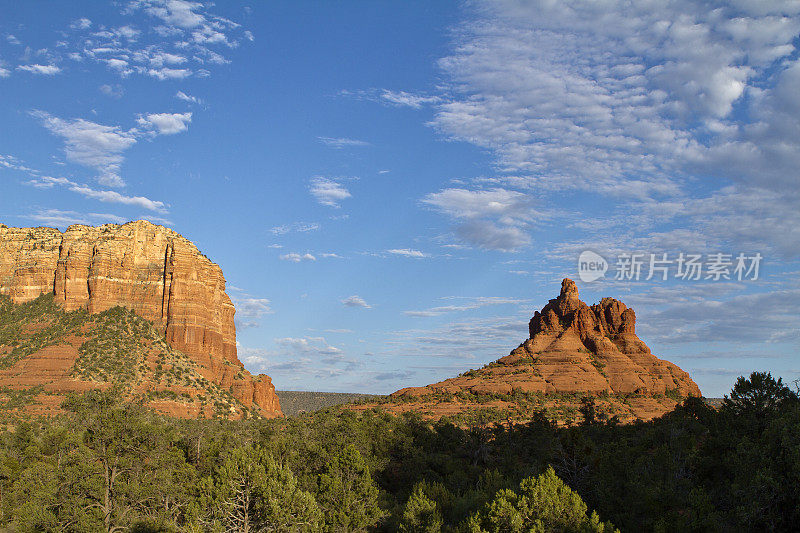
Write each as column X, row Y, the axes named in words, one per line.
column 149, row 269
column 573, row 350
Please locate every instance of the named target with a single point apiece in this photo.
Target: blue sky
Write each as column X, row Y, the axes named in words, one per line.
column 393, row 188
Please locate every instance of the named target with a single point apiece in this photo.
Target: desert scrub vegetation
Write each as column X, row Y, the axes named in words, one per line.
column 27, row 328
column 119, row 347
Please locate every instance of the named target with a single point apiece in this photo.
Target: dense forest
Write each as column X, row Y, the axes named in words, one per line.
column 110, row 466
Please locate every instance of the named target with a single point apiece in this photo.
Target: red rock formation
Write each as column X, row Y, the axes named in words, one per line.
column 574, row 348
column 148, row 268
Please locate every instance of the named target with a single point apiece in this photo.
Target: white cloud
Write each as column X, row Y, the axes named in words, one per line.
column 249, row 307
column 92, row 145
column 4, row 72
column 12, row 39
column 180, row 95
column 165, row 123
column 294, row 257
column 309, row 345
column 115, row 197
column 169, row 73
column 175, row 12
column 638, row 103
column 44, row 70
column 60, row 219
column 300, row 227
column 81, row 24
column 341, row 142
column 356, row 301
column 392, row 98
column 407, row 252
column 328, row 192
column 402, row 98
column 494, row 219
column 115, row 91
column 469, row 305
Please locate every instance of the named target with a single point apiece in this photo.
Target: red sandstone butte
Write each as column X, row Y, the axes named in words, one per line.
column 575, row 348
column 150, row 269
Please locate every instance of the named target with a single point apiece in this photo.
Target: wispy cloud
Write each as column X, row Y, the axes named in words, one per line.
column 180, row 95
column 299, row 227
column 407, row 252
column 81, row 24
column 43, row 70
column 92, row 145
column 328, row 192
column 308, row 345
column 393, row 98
column 40, row 181
column 101, row 147
column 59, row 218
column 469, row 305
column 115, row 197
column 403, row 98
column 341, row 142
column 494, row 219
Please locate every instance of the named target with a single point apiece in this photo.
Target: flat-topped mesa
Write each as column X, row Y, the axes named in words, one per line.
column 575, row 348
column 145, row 267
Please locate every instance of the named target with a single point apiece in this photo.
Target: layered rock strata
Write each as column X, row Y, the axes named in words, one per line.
column 575, row 348
column 148, row 268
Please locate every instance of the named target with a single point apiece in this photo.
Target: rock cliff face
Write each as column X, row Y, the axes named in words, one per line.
column 150, row 269
column 577, row 349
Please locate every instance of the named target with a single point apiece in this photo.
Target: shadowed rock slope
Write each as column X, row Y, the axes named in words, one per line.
column 574, row 350
column 148, row 269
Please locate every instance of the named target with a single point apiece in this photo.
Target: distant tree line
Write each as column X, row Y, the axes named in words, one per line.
column 108, row 466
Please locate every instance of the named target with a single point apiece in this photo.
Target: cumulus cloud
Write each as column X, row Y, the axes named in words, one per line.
column 165, row 123
column 328, row 192
column 175, row 33
column 295, row 257
column 175, row 12
column 356, row 301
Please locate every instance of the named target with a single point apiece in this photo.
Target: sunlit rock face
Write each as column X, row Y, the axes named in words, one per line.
column 148, row 268
column 577, row 348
